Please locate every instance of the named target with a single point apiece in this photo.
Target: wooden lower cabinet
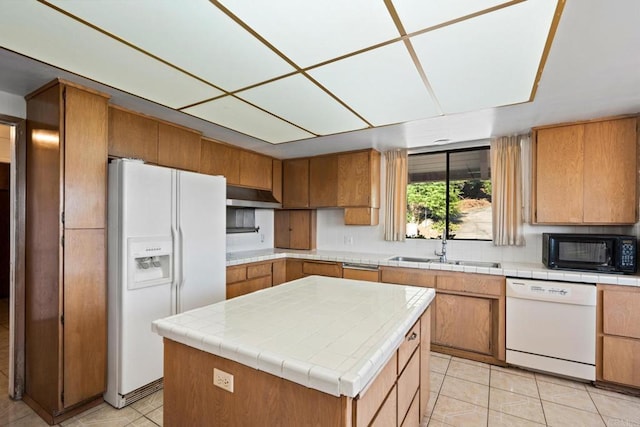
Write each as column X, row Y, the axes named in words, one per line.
column 469, row 311
column 247, row 278
column 361, row 274
column 618, row 336
column 320, row 268
column 464, row 322
column 279, row 272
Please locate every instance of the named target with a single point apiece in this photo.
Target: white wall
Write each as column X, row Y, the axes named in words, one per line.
column 12, row 105
column 334, row 235
column 252, row 241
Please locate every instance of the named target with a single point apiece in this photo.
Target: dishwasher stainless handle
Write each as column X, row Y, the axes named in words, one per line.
column 365, row 267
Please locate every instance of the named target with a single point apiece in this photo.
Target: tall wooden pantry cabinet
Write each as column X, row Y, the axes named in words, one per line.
column 65, row 289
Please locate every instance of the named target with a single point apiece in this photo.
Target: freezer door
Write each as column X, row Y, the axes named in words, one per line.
column 139, row 208
column 201, row 240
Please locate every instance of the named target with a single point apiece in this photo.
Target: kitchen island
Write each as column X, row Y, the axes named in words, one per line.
column 314, row 351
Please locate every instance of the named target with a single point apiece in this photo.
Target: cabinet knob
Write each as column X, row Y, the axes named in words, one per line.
column 412, row 337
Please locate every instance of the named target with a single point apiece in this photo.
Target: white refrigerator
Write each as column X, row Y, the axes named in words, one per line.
column 166, row 255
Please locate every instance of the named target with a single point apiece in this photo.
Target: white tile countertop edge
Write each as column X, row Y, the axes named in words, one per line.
column 510, row 269
column 217, row 329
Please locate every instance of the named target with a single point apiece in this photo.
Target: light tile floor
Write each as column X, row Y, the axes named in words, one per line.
column 463, row 393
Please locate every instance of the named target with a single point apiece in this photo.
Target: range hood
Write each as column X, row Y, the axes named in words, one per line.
column 251, row 197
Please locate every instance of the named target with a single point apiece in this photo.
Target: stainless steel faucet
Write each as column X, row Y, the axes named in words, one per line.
column 443, row 251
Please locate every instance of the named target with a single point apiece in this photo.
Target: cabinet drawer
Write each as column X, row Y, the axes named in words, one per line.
column 248, row 286
column 371, row 398
column 621, row 313
column 330, row 269
column 411, row 341
column 236, row 274
column 620, row 361
column 357, row 274
column 412, row 418
column 408, row 276
column 387, row 414
column 259, row 270
column 473, row 283
column 408, row 384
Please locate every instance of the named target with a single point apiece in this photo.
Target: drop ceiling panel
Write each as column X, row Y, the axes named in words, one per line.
column 298, row 100
column 382, row 85
column 38, row 31
column 487, row 61
column 196, row 36
column 242, row 117
column 420, row 14
column 310, row 32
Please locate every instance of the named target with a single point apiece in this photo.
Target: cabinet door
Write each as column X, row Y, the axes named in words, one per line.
column 559, row 175
column 329, row 269
column 463, row 322
column 279, row 274
column 85, row 154
column 178, row 148
column 281, row 229
column 620, row 361
column 220, row 159
column 621, row 313
column 361, row 216
column 255, row 170
column 354, row 179
column 85, row 324
column 610, row 172
column 276, row 185
column 295, row 183
column 302, row 224
column 323, row 181
column 132, row 135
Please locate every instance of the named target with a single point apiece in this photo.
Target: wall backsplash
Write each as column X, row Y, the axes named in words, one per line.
column 252, row 241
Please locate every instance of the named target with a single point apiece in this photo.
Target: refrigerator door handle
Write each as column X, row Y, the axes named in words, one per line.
column 174, row 280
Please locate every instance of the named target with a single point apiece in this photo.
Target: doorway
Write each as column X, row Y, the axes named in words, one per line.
column 12, row 234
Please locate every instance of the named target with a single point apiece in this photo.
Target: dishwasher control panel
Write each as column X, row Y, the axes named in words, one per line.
column 576, row 293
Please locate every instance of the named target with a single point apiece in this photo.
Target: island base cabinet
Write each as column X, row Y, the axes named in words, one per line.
column 398, row 396
column 258, row 398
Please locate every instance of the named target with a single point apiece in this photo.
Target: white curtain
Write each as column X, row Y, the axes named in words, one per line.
column 395, row 218
column 507, row 191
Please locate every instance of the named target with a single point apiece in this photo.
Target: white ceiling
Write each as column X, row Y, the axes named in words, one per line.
column 334, row 75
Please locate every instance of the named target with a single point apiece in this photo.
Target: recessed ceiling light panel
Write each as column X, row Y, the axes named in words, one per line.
column 38, row 31
column 300, row 101
column 383, row 85
column 420, row 14
column 310, row 32
column 242, row 117
column 488, row 61
column 194, row 35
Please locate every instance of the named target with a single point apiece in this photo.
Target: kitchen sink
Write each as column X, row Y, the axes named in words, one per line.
column 412, row 259
column 452, row 262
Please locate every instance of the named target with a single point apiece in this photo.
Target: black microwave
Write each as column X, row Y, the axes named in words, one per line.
column 606, row 253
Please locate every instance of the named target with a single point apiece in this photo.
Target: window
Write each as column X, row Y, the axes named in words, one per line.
column 450, row 190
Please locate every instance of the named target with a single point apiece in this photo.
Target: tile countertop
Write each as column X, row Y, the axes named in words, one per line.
column 510, row 269
column 333, row 335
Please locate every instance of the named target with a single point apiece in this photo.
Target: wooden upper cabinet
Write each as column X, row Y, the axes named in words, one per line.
column 220, row 159
column 132, row 135
column 85, row 154
column 359, row 179
column 323, row 181
column 295, row 183
column 610, row 169
column 178, row 147
column 255, row 170
column 586, row 173
column 559, row 174
column 295, row 229
column 277, row 180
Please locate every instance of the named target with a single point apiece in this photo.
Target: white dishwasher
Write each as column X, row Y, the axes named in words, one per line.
column 551, row 327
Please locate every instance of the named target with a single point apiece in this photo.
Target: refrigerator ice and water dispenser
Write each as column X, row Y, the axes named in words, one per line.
column 150, row 261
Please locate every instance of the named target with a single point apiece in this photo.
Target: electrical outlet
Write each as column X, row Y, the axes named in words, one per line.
column 223, row 380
